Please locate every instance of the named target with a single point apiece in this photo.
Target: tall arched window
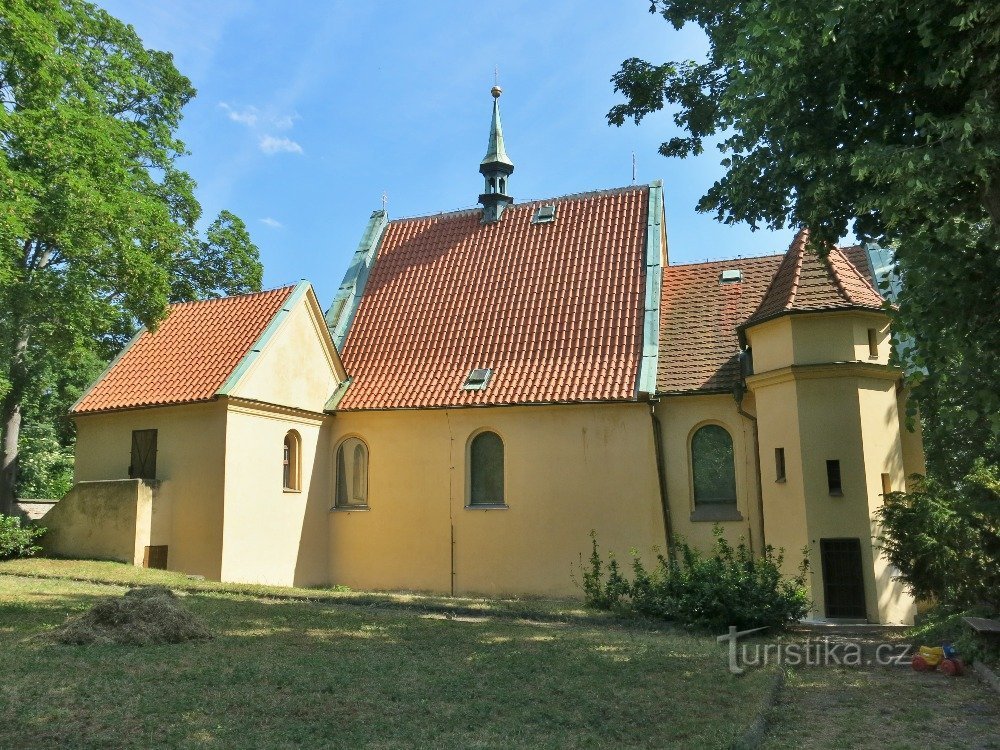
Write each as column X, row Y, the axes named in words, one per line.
column 486, row 470
column 291, row 470
column 352, row 474
column 713, row 467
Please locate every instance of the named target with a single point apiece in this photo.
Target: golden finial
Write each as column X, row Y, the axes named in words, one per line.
column 496, row 91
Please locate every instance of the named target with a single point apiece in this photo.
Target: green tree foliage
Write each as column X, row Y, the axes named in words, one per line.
column 97, row 224
column 882, row 117
column 944, row 538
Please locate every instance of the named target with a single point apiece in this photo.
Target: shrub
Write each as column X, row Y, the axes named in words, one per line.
column 944, row 538
column 730, row 586
column 17, row 540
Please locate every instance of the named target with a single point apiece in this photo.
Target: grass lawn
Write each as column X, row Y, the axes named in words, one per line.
column 297, row 672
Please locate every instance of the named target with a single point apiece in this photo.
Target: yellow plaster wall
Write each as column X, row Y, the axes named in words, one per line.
column 273, row 535
column 680, row 417
column 107, row 520
column 818, row 411
column 190, row 465
column 297, row 367
column 771, row 343
column 912, row 442
column 568, row 469
column 785, row 525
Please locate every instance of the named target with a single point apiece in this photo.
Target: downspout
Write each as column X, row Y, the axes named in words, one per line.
column 661, row 477
column 739, row 390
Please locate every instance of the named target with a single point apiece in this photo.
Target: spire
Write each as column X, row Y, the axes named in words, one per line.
column 495, row 167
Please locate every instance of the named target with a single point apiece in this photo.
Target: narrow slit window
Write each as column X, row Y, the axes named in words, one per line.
column 486, row 470
column 351, row 474
column 886, row 484
column 779, row 464
column 833, row 477
column 290, row 464
column 872, row 343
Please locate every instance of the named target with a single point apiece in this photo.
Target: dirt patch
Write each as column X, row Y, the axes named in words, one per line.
column 142, row 617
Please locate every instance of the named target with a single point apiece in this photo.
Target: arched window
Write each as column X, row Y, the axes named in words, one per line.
column 486, row 470
column 352, row 474
column 713, row 467
column 291, row 469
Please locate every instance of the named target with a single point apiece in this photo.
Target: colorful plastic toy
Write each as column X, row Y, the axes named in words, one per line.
column 943, row 658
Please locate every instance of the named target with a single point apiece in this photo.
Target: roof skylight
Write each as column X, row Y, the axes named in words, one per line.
column 545, row 215
column 478, row 379
column 731, row 276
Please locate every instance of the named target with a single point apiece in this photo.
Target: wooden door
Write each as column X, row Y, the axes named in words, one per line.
column 843, row 578
column 143, row 465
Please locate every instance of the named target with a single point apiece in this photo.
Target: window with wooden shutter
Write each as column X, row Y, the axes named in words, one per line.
column 143, row 459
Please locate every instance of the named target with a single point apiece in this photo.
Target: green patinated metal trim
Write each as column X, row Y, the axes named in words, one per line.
column 258, row 346
column 338, row 394
column 108, row 369
column 496, row 153
column 654, row 275
column 340, row 315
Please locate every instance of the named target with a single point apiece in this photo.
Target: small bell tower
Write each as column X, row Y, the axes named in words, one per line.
column 496, row 168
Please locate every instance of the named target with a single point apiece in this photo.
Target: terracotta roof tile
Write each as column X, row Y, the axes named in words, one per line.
column 191, row 354
column 554, row 309
column 805, row 282
column 699, row 348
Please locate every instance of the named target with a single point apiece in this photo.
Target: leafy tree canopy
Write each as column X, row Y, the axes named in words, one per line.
column 97, row 223
column 877, row 116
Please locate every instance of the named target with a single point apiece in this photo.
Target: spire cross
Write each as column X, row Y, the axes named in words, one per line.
column 385, row 201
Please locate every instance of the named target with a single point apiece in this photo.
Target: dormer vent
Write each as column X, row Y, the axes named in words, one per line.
column 544, row 215
column 731, row 276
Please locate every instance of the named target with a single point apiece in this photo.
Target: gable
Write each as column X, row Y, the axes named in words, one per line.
column 296, row 365
column 188, row 357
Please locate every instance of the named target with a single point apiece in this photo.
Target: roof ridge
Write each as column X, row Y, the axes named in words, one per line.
column 724, row 260
column 863, row 276
column 801, row 240
column 234, row 296
column 529, row 201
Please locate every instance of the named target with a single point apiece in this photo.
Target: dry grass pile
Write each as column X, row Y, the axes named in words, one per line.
column 142, row 617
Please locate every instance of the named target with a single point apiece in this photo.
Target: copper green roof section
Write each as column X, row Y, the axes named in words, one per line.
column 345, row 303
column 495, row 151
column 654, row 272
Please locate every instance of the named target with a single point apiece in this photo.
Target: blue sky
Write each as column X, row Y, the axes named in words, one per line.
column 308, row 111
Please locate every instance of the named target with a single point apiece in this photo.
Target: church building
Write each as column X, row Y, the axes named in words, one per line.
column 489, row 386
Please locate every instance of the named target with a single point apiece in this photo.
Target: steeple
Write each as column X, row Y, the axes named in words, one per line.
column 496, row 168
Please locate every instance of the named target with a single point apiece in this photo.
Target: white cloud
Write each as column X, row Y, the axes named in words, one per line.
column 244, row 115
column 271, row 145
column 284, row 122
column 273, row 223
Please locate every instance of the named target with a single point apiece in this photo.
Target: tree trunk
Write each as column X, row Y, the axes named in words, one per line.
column 11, row 422
column 8, row 455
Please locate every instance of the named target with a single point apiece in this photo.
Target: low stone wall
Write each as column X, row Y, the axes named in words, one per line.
column 32, row 510
column 106, row 520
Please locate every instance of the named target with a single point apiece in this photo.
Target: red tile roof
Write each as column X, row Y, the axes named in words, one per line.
column 189, row 357
column 805, row 282
column 556, row 310
column 699, row 348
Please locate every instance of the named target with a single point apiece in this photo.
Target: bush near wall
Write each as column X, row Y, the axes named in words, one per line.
column 729, row 586
column 17, row 540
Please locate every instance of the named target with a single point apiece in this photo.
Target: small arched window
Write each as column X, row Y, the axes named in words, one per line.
column 291, row 469
column 713, row 466
column 352, row 474
column 486, row 470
